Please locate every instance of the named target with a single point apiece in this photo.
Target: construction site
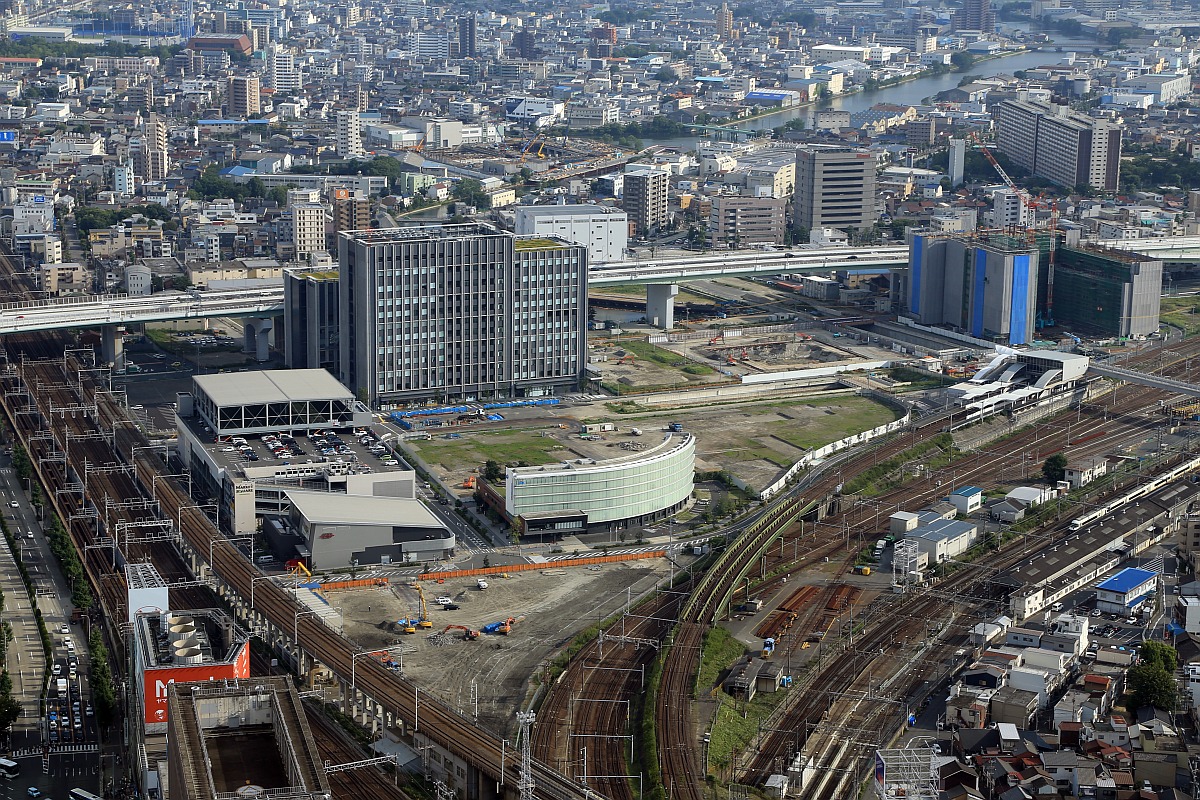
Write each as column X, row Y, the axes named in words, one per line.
column 481, row 643
column 548, row 158
column 753, row 441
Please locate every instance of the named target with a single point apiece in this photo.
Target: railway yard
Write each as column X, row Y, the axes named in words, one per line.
column 626, row 716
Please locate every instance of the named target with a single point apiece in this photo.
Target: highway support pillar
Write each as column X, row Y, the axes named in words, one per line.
column 257, row 337
column 112, row 346
column 660, row 304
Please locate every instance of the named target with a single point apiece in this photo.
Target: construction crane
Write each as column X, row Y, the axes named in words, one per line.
column 297, row 568
column 468, row 634
column 529, row 146
column 1028, row 200
column 423, row 619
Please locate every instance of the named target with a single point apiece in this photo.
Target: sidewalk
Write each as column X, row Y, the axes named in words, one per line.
column 26, row 661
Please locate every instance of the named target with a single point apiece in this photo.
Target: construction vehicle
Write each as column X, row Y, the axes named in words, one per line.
column 862, row 569
column 716, row 339
column 406, row 625
column 628, row 358
column 506, row 627
column 675, row 427
column 468, row 634
column 768, row 647
column 469, row 483
column 423, row 617
column 481, row 584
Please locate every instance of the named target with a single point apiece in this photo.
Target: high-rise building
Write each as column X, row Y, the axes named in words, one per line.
column 958, row 160
column 724, row 22
column 835, row 188
column 468, row 46
column 740, row 221
column 1009, row 210
column 350, row 214
column 153, row 162
column 282, row 74
column 456, row 311
column 1106, row 292
column 123, row 178
column 349, row 134
column 975, row 15
column 645, row 199
column 985, row 285
column 244, row 94
column 1059, row 144
column 310, row 329
column 308, row 229
column 525, row 43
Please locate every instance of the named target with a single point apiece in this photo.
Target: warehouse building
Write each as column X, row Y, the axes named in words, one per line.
column 238, row 403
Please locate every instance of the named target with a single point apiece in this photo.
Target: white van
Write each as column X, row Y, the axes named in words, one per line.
column 265, row 560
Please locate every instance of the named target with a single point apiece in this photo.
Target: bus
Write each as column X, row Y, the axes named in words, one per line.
column 80, row 794
column 9, row 769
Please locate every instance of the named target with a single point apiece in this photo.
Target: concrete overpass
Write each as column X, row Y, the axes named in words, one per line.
column 109, row 312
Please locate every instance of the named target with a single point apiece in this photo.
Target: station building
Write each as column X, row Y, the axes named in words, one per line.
column 588, row 495
column 1127, row 591
column 1018, row 379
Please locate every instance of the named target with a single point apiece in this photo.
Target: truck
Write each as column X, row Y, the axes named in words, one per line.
column 862, row 569
column 61, row 685
column 675, row 427
column 481, row 584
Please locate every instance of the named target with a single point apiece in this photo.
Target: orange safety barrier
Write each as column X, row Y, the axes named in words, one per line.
column 569, row 562
column 327, row 587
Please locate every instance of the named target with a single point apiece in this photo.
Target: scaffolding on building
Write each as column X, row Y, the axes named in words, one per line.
column 905, row 571
column 905, row 773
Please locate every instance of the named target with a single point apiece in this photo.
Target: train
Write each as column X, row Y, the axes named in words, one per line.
column 1170, row 476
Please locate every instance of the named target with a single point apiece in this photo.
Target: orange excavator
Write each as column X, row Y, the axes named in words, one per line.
column 507, row 626
column 468, row 634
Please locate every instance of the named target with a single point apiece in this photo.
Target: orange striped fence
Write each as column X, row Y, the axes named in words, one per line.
column 358, row 584
column 568, row 562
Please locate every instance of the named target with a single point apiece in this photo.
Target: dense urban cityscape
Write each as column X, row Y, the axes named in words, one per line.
column 606, row 400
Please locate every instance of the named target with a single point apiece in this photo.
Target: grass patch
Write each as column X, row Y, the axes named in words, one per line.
column 663, row 357
column 1182, row 312
column 917, row 379
column 736, row 725
column 720, row 650
column 504, row 447
column 884, row 475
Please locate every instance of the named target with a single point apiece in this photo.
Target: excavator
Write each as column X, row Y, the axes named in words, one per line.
column 506, row 626
column 468, row 634
column 423, row 620
column 406, row 625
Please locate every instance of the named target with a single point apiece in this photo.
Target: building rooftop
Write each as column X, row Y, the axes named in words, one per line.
column 143, row 576
column 334, row 507
column 669, row 442
column 271, row 386
column 967, row 491
column 1127, row 580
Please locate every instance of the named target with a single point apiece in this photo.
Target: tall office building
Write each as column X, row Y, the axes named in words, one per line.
column 724, row 23
column 645, row 199
column 835, row 188
column 740, row 221
column 244, row 94
column 975, row 15
column 434, row 312
column 349, row 135
column 1059, row 144
column 985, row 285
column 468, row 29
column 308, row 229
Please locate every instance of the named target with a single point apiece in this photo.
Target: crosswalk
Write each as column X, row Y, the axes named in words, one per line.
column 31, row 752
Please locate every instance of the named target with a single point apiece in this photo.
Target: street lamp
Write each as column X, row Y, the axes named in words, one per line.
column 252, row 582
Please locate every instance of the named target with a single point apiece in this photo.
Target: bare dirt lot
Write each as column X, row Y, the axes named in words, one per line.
column 550, row 606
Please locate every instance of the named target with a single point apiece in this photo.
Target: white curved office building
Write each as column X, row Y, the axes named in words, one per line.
column 589, row 495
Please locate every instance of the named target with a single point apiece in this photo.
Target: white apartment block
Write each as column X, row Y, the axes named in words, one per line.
column 308, row 229
column 349, row 135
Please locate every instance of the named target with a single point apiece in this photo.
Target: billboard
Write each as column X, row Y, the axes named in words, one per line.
column 8, row 136
column 341, row 194
column 155, row 681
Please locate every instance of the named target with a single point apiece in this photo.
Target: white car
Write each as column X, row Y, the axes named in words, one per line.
column 1131, row 621
column 63, row 629
column 13, row 504
column 444, row 601
column 1097, row 612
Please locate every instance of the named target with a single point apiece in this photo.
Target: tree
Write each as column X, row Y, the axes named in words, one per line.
column 492, row 471
column 10, row 709
column 1150, row 685
column 1055, row 467
column 666, row 75
column 1152, row 652
column 471, row 192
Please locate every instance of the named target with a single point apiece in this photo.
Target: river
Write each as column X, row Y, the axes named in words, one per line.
column 913, row 92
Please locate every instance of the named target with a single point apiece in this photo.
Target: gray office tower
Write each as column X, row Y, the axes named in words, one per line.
column 835, row 188
column 444, row 312
column 984, row 285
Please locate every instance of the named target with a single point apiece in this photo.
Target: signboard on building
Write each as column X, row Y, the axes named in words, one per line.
column 8, row 136
column 155, row 681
